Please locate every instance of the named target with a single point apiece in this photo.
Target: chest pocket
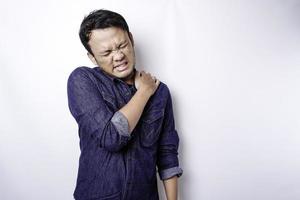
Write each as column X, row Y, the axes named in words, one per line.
column 151, row 126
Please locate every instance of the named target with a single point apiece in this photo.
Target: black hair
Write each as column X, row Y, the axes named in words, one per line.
column 100, row 19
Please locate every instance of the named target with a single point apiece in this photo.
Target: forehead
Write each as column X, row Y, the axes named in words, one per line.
column 107, row 38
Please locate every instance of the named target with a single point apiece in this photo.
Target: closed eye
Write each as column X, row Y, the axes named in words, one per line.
column 106, row 53
column 123, row 45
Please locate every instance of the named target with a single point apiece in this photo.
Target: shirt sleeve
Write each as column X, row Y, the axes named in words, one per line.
column 167, row 163
column 95, row 121
column 121, row 123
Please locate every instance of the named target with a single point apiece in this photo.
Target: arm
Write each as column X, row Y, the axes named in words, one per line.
column 127, row 117
column 95, row 120
column 170, row 186
column 146, row 86
column 134, row 108
column 167, row 163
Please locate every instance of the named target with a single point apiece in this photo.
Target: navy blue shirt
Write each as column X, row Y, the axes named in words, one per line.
column 115, row 164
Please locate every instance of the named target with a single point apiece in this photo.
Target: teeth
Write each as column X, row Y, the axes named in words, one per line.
column 121, row 67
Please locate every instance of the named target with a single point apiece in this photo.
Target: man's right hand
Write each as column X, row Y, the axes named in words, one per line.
column 146, row 85
column 146, row 82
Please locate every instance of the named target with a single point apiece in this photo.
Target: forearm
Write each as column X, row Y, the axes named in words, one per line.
column 170, row 186
column 134, row 108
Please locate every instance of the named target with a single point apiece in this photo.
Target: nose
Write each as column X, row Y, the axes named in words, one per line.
column 118, row 55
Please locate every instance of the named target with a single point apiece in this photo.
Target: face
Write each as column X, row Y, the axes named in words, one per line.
column 113, row 52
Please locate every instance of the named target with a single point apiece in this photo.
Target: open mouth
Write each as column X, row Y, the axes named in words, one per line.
column 122, row 66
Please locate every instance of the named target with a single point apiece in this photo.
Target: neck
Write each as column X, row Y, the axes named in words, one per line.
column 130, row 78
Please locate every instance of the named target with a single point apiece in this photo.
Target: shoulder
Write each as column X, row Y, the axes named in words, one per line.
column 83, row 73
column 161, row 95
column 163, row 90
column 80, row 71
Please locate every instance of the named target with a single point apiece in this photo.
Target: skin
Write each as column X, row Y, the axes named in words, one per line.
column 170, row 186
column 113, row 47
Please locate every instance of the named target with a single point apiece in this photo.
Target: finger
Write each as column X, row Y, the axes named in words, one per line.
column 137, row 73
column 157, row 82
column 154, row 78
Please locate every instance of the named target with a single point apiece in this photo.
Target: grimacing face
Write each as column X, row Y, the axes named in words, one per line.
column 114, row 52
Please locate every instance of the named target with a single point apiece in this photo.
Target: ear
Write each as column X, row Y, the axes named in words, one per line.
column 92, row 58
column 131, row 38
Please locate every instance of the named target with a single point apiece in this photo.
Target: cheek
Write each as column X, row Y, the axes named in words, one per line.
column 131, row 54
column 105, row 63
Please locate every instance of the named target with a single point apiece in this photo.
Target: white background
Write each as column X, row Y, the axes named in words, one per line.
column 233, row 68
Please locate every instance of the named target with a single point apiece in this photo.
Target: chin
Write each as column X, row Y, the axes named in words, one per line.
column 125, row 74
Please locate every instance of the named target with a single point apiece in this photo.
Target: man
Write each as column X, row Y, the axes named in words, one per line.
column 125, row 118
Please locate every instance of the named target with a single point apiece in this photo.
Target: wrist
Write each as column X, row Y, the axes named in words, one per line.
column 144, row 92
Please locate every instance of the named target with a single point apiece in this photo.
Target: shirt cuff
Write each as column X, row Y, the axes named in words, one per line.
column 121, row 123
column 169, row 173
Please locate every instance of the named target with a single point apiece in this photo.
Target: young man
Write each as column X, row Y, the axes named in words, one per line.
column 125, row 118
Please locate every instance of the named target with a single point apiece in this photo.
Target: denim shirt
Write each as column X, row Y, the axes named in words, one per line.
column 115, row 164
